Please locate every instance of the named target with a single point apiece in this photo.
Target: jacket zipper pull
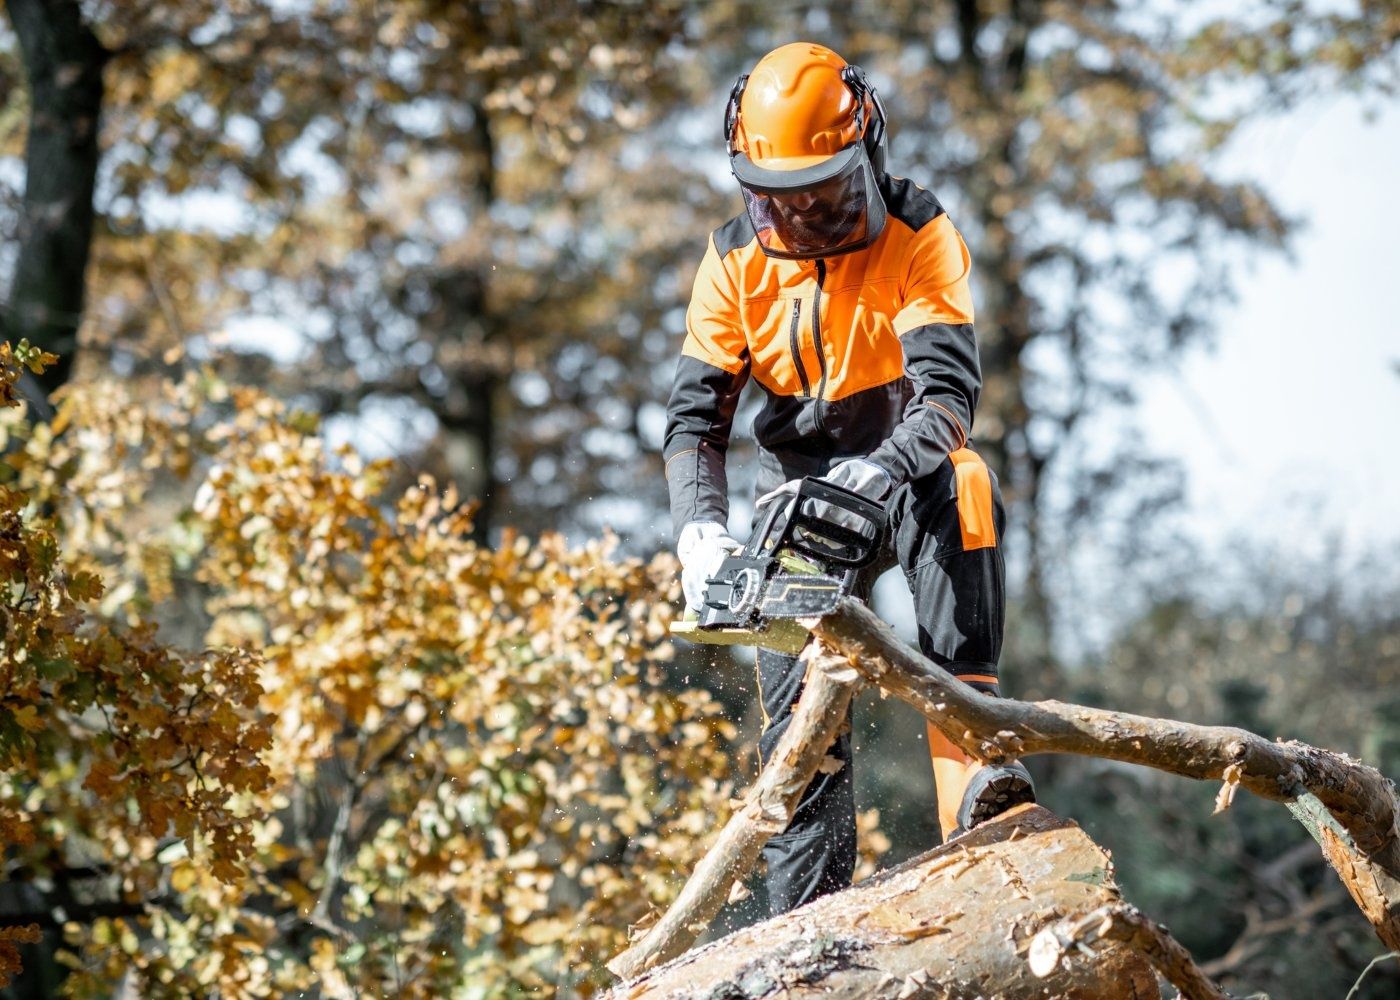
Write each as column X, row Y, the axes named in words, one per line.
column 795, row 345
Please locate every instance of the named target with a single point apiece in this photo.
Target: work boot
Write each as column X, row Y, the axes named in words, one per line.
column 991, row 791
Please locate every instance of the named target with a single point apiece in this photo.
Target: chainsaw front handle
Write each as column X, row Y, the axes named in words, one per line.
column 850, row 549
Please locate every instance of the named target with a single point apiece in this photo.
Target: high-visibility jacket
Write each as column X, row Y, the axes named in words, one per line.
column 868, row 354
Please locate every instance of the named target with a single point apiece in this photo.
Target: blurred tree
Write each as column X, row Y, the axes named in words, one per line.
column 472, row 772
column 63, row 62
column 430, row 207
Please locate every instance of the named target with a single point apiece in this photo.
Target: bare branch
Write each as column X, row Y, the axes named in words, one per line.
column 767, row 810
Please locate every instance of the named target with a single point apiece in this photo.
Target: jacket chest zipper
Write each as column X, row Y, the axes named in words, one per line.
column 795, row 345
column 817, row 337
column 795, row 341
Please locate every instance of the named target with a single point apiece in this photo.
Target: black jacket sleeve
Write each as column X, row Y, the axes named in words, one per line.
column 934, row 325
column 712, row 371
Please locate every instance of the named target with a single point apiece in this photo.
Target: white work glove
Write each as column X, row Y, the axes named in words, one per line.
column 856, row 475
column 701, row 548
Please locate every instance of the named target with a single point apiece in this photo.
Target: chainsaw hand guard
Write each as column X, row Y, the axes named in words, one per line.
column 796, row 564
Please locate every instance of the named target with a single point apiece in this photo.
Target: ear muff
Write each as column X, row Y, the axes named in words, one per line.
column 731, row 111
column 868, row 103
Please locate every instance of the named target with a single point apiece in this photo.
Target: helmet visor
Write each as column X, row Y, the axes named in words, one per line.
column 822, row 218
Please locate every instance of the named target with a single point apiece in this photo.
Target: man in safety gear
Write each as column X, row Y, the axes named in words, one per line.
column 843, row 292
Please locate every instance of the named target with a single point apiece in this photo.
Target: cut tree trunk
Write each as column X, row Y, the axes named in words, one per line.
column 955, row 923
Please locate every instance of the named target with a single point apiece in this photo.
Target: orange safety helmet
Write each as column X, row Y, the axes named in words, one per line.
column 807, row 141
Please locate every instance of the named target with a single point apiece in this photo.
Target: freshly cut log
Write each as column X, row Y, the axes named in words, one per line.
column 954, row 923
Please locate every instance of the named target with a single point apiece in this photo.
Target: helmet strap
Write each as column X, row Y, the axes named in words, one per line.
column 873, row 132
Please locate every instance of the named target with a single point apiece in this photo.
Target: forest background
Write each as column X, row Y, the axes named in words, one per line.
column 283, row 716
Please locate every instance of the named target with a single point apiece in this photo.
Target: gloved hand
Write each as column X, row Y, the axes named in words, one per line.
column 856, row 475
column 701, row 548
column 860, row 476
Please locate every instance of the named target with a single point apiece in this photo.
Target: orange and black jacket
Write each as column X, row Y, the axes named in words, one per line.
column 869, row 354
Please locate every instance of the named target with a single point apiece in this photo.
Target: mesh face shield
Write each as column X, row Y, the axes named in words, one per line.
column 825, row 210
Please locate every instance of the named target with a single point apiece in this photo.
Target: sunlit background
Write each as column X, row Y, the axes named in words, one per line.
column 461, row 238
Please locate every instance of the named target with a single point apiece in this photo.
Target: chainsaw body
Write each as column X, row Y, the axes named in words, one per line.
column 795, row 565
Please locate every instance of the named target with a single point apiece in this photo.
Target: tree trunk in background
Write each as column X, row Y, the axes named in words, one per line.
column 467, row 415
column 469, row 443
column 1004, row 332
column 63, row 61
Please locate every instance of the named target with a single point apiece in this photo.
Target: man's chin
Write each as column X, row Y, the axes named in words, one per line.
column 808, row 240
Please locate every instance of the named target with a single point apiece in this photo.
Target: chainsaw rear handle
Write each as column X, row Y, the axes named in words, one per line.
column 866, row 547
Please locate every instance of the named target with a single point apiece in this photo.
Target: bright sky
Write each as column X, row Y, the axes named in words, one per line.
column 1292, row 423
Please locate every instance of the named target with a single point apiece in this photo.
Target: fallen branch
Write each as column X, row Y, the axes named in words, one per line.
column 1058, row 945
column 1356, row 805
column 767, row 809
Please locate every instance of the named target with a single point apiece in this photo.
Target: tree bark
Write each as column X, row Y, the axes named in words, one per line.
column 1065, row 941
column 63, row 62
column 956, row 923
column 1356, row 803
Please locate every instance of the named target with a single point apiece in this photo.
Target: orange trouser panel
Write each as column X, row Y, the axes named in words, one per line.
column 974, row 500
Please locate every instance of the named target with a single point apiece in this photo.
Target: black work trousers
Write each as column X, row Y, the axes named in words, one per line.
column 944, row 533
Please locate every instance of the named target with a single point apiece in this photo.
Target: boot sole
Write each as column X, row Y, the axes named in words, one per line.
column 998, row 790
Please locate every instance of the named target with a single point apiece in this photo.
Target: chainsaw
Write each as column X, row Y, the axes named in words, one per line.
column 795, row 565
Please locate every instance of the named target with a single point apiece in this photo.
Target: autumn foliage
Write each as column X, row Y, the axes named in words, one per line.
column 403, row 764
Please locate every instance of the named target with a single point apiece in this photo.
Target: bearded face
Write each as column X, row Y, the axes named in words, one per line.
column 823, row 219
column 824, row 216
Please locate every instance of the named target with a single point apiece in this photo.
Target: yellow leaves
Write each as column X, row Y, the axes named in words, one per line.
column 183, row 878
column 83, row 586
column 548, row 930
column 10, row 937
column 517, row 768
column 115, row 932
column 226, row 869
column 323, row 963
column 13, row 359
column 27, row 717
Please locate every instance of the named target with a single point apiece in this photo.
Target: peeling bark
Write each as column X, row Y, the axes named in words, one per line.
column 1069, row 941
column 956, row 923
